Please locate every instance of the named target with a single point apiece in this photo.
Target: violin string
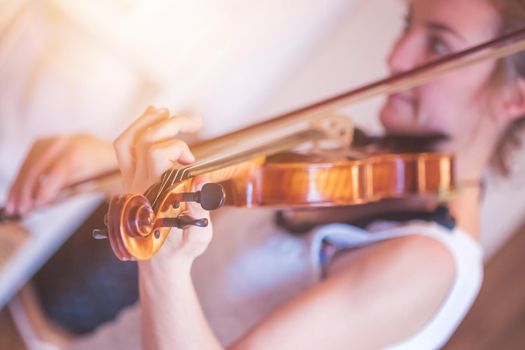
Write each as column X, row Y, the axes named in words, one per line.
column 165, row 180
column 179, row 174
column 169, row 178
column 174, row 175
column 160, row 189
column 210, row 160
column 186, row 172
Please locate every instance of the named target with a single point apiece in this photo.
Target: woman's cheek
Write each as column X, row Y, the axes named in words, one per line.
column 436, row 106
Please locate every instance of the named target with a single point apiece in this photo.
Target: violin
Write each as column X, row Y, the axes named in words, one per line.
column 299, row 159
column 139, row 224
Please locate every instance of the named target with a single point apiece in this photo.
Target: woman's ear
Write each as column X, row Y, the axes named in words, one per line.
column 514, row 101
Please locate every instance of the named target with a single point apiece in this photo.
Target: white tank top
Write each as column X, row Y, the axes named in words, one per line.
column 252, row 267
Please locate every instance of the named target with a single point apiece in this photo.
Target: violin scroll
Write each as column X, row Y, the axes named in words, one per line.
column 136, row 230
column 130, row 221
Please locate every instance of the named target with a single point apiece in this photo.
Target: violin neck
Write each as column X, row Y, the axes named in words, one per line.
column 233, row 161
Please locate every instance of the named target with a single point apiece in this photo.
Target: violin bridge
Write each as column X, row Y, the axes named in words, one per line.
column 338, row 128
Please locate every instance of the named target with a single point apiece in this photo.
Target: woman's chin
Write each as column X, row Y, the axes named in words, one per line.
column 396, row 122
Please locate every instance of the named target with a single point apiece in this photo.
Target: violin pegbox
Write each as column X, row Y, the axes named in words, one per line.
column 137, row 229
column 339, row 130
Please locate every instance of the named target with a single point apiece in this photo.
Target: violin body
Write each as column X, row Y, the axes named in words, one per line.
column 323, row 180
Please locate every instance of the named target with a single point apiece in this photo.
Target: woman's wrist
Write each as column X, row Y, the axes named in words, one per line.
column 159, row 265
column 162, row 280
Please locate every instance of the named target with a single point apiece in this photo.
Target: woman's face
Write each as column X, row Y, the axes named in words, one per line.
column 451, row 104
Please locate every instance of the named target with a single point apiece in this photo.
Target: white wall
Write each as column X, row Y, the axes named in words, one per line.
column 94, row 65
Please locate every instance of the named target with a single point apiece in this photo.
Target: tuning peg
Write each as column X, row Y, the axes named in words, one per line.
column 210, row 197
column 100, row 234
column 181, row 222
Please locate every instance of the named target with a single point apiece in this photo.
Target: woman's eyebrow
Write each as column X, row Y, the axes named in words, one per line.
column 444, row 28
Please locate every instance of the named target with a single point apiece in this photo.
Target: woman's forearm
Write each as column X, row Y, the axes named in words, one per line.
column 172, row 317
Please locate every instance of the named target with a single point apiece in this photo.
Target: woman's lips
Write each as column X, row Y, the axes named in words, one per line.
column 404, row 97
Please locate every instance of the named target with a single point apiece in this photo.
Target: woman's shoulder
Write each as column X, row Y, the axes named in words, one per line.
column 414, row 253
column 441, row 268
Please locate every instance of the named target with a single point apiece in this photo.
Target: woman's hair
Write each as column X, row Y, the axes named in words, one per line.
column 507, row 72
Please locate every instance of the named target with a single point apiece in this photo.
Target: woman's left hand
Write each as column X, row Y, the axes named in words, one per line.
column 145, row 151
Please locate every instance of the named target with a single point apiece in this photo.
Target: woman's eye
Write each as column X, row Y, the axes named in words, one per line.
column 438, row 47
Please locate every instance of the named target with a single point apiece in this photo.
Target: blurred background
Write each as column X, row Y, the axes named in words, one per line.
column 93, row 66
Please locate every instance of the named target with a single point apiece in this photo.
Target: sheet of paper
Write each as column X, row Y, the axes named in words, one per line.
column 26, row 246
column 12, row 238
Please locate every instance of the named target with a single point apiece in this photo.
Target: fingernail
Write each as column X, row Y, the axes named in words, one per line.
column 149, row 109
column 187, row 159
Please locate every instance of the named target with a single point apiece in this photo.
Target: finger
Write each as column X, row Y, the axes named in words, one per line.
column 124, row 143
column 14, row 194
column 149, row 118
column 197, row 234
column 42, row 153
column 56, row 176
column 200, row 181
column 161, row 156
column 161, row 134
column 169, row 128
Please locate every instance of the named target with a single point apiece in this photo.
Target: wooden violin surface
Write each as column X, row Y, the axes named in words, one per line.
column 320, row 181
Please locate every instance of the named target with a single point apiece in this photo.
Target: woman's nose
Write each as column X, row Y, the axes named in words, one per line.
column 405, row 54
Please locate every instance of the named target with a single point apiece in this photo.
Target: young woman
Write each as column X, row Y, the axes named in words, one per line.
column 406, row 287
